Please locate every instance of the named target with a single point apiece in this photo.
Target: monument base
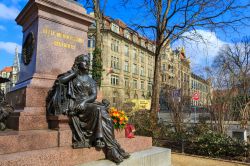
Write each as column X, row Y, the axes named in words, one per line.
column 151, row 157
column 53, row 147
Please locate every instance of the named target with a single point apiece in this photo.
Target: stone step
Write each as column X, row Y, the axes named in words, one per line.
column 30, row 118
column 17, row 141
column 151, row 157
column 67, row 156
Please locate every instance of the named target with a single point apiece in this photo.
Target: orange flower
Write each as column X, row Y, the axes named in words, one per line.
column 118, row 116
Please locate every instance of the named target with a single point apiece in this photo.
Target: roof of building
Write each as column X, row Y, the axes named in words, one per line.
column 122, row 25
column 199, row 78
column 7, row 69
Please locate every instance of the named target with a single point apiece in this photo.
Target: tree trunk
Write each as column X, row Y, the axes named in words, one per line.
column 156, row 85
column 97, row 54
column 98, row 17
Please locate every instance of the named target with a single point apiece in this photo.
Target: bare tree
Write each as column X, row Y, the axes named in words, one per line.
column 233, row 61
column 178, row 106
column 170, row 19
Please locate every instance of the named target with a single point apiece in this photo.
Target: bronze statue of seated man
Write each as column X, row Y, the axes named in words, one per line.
column 74, row 94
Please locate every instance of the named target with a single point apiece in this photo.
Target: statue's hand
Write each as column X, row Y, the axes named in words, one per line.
column 72, row 113
column 81, row 106
column 75, row 71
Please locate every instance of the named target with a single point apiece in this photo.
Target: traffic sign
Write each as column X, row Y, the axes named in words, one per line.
column 176, row 95
column 196, row 96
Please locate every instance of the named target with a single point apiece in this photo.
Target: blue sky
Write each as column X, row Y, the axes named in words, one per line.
column 201, row 55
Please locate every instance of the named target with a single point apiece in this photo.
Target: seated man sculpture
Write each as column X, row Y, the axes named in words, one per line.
column 5, row 111
column 74, row 94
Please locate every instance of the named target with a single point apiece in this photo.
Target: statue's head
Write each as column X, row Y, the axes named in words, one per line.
column 82, row 62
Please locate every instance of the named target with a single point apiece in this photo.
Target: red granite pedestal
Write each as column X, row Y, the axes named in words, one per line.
column 53, row 147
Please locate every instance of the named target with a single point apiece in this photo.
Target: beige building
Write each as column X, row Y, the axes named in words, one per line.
column 128, row 64
column 202, row 87
column 127, row 60
column 176, row 70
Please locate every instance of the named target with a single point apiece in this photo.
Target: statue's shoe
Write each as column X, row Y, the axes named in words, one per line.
column 100, row 144
column 114, row 156
column 77, row 145
column 125, row 155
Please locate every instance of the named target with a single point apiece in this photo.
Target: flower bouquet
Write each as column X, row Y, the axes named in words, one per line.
column 119, row 118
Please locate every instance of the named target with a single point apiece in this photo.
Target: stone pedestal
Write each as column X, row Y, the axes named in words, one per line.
column 59, row 29
column 51, row 147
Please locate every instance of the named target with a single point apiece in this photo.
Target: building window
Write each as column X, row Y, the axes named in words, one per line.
column 142, row 43
column 127, row 34
column 114, row 62
column 142, row 71
column 115, row 28
column 150, row 47
column 126, row 50
column 164, row 56
column 126, row 66
column 135, row 38
column 164, row 78
column 91, row 42
column 126, row 82
column 171, row 68
column 149, row 86
column 164, row 67
column 192, row 84
column 150, row 73
column 134, row 69
column 4, row 75
column 150, row 60
column 142, row 57
column 134, row 54
column 142, row 85
column 114, row 80
column 114, row 45
column 135, row 84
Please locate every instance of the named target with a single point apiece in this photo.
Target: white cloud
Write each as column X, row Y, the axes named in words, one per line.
column 2, row 28
column 202, row 49
column 9, row 47
column 8, row 13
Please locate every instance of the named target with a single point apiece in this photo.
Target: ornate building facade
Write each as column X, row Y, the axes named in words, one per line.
column 176, row 70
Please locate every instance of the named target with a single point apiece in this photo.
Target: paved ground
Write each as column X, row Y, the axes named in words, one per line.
column 184, row 160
